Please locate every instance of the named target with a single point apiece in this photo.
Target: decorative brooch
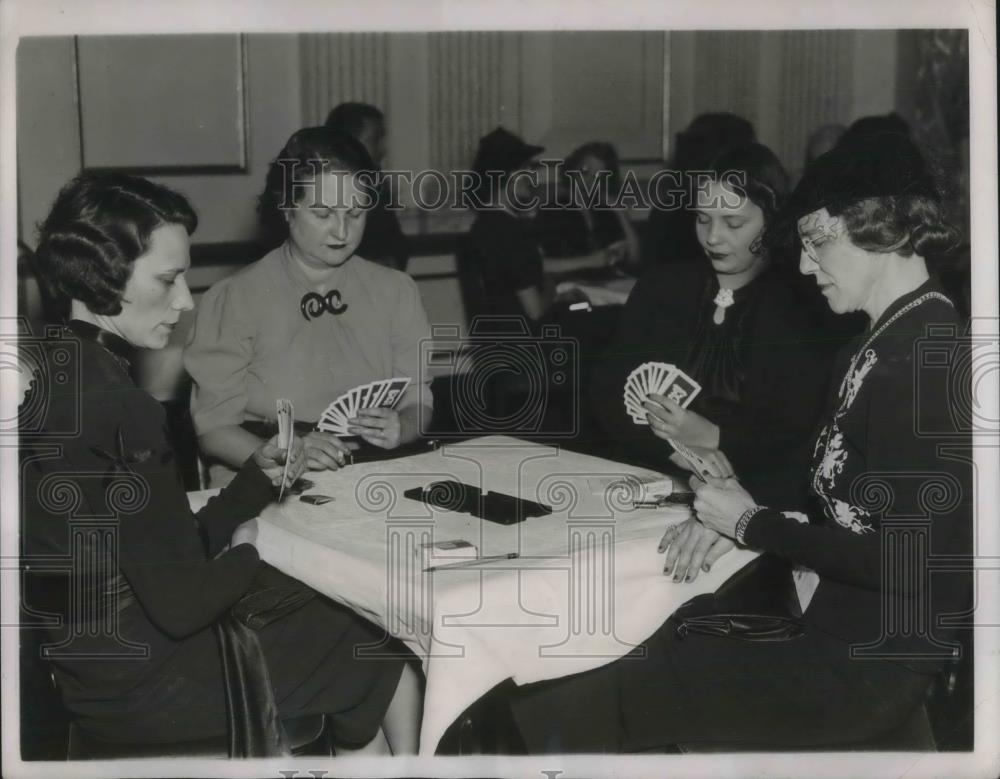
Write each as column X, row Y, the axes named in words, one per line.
column 314, row 305
column 723, row 300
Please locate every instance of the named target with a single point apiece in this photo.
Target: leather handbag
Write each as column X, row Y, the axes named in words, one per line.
column 757, row 603
column 253, row 721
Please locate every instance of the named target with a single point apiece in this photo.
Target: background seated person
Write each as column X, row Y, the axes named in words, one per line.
column 593, row 230
column 502, row 242
column 383, row 241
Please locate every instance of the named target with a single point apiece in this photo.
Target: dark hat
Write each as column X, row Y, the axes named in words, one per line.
column 879, row 165
column 504, row 151
column 866, row 166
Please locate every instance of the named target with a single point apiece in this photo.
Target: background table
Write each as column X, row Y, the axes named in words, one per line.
column 588, row 585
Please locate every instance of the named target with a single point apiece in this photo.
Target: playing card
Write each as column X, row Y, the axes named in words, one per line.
column 395, row 391
column 384, row 393
column 664, row 375
column 364, row 393
column 681, row 389
column 378, row 391
column 701, row 466
column 286, row 426
column 657, row 378
column 633, row 393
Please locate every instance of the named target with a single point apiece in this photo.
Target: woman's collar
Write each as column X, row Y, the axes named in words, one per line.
column 119, row 348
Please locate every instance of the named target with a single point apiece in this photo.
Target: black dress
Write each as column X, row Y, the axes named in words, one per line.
column 384, row 241
column 135, row 657
column 565, row 232
column 764, row 372
column 504, row 251
column 893, row 476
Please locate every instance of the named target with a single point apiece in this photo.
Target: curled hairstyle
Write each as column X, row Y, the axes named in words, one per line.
column 906, row 224
column 98, row 227
column 307, row 155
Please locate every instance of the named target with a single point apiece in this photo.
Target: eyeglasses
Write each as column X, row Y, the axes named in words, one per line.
column 809, row 248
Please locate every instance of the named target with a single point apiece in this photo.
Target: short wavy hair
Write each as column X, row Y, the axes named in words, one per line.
column 905, row 224
column 99, row 225
column 308, row 153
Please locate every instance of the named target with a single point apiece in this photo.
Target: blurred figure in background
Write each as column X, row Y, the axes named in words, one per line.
column 502, row 248
column 821, row 140
column 592, row 230
column 670, row 233
column 384, row 241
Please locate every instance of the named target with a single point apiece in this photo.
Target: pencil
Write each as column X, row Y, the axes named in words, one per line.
column 473, row 562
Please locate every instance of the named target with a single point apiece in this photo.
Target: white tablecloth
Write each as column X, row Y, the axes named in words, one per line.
column 587, row 587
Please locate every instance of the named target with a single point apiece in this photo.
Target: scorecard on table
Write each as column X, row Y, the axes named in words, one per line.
column 466, row 499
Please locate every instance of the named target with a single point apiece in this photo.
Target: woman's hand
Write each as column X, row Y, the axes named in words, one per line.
column 245, row 534
column 325, row 452
column 719, row 503
column 378, row 426
column 668, row 420
column 616, row 252
column 718, row 463
column 270, row 458
column 691, row 547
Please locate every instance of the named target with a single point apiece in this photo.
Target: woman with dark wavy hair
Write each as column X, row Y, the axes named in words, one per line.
column 736, row 323
column 892, row 485
column 139, row 666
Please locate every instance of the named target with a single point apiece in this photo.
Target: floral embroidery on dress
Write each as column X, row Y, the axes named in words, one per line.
column 854, row 379
column 833, row 459
column 849, row 516
column 831, row 465
column 834, row 456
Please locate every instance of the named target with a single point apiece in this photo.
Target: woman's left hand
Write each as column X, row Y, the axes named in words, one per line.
column 378, row 426
column 719, row 503
column 691, row 547
column 668, row 420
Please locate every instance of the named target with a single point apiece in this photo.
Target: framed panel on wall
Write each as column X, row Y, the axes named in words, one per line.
column 162, row 103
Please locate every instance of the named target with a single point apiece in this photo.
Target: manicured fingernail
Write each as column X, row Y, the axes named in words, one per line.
column 706, row 567
column 677, row 578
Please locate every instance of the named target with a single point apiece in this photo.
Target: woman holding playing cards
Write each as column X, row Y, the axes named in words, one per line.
column 738, row 329
column 310, row 322
column 151, row 583
column 892, row 480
